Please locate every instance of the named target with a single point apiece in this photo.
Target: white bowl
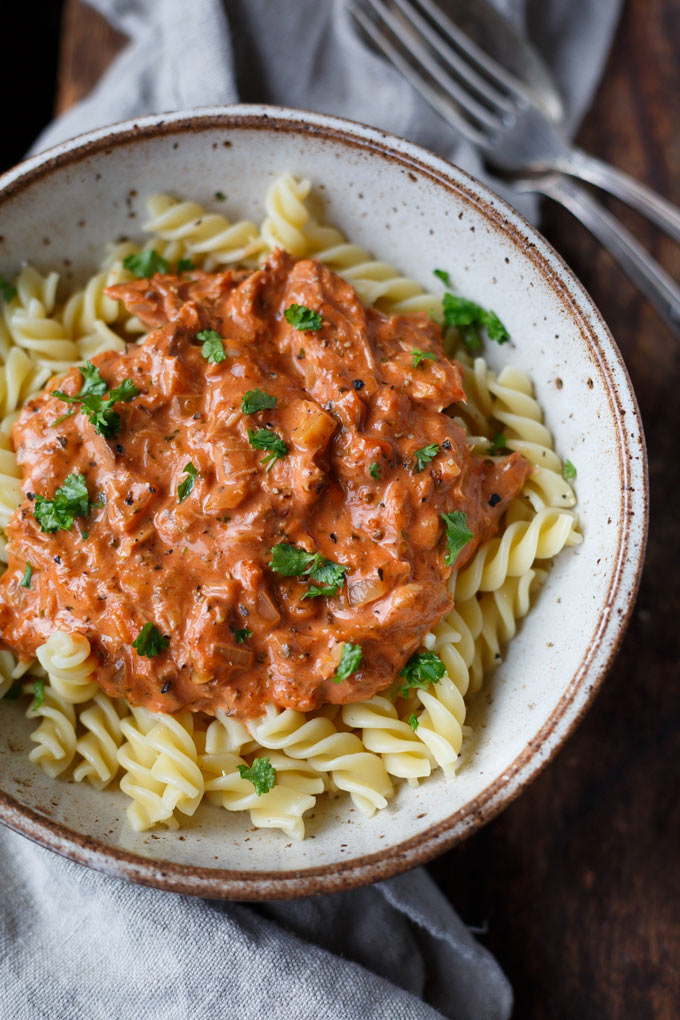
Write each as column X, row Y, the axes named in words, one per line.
column 416, row 211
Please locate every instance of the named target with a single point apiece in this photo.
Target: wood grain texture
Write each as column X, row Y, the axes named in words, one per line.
column 577, row 884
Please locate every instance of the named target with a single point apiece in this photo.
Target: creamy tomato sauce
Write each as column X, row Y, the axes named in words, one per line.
column 350, row 404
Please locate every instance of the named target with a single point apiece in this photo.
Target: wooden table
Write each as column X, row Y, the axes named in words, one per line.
column 577, row 884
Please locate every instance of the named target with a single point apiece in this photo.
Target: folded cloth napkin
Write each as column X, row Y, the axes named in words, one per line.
column 75, row 945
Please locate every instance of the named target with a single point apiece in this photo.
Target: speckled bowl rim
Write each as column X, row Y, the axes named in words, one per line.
column 631, row 540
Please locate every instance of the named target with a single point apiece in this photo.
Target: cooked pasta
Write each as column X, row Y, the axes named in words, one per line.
column 168, row 764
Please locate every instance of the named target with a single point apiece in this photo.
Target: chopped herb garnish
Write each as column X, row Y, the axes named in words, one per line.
column 213, row 345
column 261, row 774
column 424, row 455
column 93, row 403
column 413, row 718
column 463, row 313
column 291, row 561
column 421, row 670
column 150, row 642
column 457, row 534
column 38, row 694
column 419, row 356
column 185, row 266
column 184, row 488
column 498, row 445
column 265, row 439
column 568, row 471
column 302, row 318
column 26, row 579
column 220, row 196
column 256, row 400
column 442, row 275
column 8, row 291
column 242, row 634
column 69, row 501
column 374, row 470
column 349, row 662
column 147, row 263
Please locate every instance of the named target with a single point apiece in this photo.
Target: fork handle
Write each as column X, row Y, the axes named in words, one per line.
column 643, row 270
column 660, row 211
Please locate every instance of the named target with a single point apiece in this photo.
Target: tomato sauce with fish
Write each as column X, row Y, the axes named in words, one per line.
column 353, row 405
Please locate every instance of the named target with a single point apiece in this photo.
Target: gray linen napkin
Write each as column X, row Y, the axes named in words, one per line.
column 75, row 945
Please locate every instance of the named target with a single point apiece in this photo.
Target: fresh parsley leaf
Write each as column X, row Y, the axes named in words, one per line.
column 421, row 670
column 349, row 662
column 315, row 591
column 14, row 692
column 220, row 196
column 457, row 534
column 495, row 329
column 261, row 774
column 256, row 400
column 424, row 455
column 325, row 571
column 213, row 345
column 92, row 381
column 302, row 318
column 185, row 266
column 38, row 694
column 568, row 471
column 498, row 445
column 419, row 356
column 8, row 291
column 413, row 718
column 442, row 275
column 241, row 634
column 69, row 501
column 461, row 312
column 290, row 561
column 150, row 642
column 25, row 581
column 184, row 488
column 100, row 411
column 374, row 470
column 146, row 264
column 265, row 439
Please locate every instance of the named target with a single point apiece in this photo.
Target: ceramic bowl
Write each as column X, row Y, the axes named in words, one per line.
column 416, row 211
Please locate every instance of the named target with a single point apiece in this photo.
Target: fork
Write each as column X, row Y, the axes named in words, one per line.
column 502, row 117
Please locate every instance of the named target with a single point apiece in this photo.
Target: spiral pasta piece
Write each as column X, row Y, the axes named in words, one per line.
column 384, row 733
column 282, row 807
column 287, row 215
column 176, row 762
column 375, row 281
column 207, row 237
column 56, row 734
column 515, row 551
column 228, row 734
column 98, row 748
column 137, row 757
column 502, row 609
column 353, row 769
column 10, row 488
column 69, row 663
column 440, row 725
column 90, row 305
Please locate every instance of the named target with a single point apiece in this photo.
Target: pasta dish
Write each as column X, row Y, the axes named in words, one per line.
column 268, row 516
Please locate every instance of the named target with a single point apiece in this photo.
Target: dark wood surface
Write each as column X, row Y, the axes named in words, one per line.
column 577, row 884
